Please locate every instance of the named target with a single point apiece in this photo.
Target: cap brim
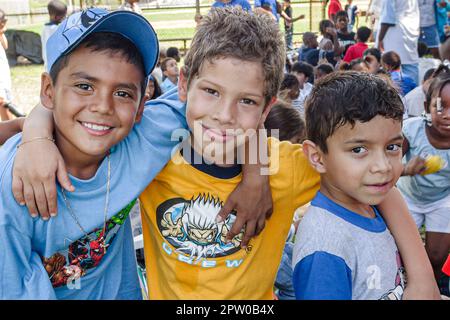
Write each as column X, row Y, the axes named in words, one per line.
column 132, row 26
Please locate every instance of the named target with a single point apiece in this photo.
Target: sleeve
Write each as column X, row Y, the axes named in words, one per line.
column 150, row 144
column 388, row 13
column 22, row 273
column 349, row 55
column 322, row 276
column 306, row 180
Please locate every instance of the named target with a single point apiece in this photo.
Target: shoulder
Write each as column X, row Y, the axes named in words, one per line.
column 413, row 128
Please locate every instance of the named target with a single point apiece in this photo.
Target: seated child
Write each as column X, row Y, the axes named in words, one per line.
column 391, row 63
column 304, row 73
column 57, row 11
column 343, row 248
column 356, row 51
column 426, row 188
column 346, row 38
column 170, row 72
column 373, row 58
column 289, row 88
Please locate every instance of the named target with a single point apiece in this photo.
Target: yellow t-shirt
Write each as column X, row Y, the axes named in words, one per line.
column 185, row 253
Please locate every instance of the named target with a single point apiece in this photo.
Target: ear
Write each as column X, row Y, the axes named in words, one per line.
column 182, row 86
column 47, row 91
column 267, row 109
column 140, row 110
column 314, row 156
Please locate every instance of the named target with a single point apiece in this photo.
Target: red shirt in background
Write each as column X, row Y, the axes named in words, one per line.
column 333, row 8
column 355, row 51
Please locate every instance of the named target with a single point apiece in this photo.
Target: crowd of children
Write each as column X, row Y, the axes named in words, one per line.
column 336, row 141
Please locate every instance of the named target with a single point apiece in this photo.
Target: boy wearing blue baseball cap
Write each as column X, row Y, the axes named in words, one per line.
column 98, row 65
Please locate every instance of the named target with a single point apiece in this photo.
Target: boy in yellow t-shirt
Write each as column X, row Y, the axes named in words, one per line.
column 229, row 83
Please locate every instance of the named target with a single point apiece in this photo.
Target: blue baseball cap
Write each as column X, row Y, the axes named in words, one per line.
column 75, row 28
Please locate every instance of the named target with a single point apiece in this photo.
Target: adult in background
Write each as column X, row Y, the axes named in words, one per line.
column 428, row 27
column 399, row 32
column 333, row 8
column 244, row 4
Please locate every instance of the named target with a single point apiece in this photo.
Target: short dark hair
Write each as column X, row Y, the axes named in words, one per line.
column 422, row 49
column 343, row 98
column 305, row 68
column 286, row 119
column 289, row 81
column 113, row 43
column 324, row 24
column 172, row 52
column 427, row 75
column 325, row 68
column 341, row 14
column 57, row 8
column 363, row 34
column 373, row 52
column 392, row 59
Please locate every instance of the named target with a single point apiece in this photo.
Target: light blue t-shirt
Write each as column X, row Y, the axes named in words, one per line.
column 55, row 259
column 431, row 187
column 243, row 3
column 341, row 255
column 167, row 85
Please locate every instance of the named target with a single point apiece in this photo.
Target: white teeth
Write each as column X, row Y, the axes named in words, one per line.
column 95, row 126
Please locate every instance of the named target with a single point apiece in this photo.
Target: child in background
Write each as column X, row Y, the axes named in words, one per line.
column 326, row 43
column 391, row 63
column 354, row 129
column 322, row 70
column 57, row 11
column 345, row 38
column 304, row 73
column 373, row 58
column 425, row 61
column 157, row 72
column 5, row 73
column 291, row 127
column 170, row 72
column 357, row 50
column 173, row 52
column 359, row 65
column 427, row 189
column 153, row 89
column 289, row 88
column 352, row 12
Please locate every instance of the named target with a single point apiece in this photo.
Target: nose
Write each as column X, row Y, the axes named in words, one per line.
column 224, row 112
column 380, row 163
column 103, row 102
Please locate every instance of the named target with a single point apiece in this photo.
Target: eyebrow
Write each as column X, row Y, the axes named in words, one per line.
column 363, row 141
column 245, row 93
column 86, row 76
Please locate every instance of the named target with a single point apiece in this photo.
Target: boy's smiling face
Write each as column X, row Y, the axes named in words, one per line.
column 95, row 101
column 224, row 99
column 362, row 163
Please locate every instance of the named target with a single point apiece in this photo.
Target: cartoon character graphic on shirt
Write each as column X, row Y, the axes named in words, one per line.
column 400, row 282
column 190, row 226
column 85, row 253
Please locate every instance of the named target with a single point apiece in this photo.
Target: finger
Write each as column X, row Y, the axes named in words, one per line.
column 236, row 228
column 50, row 195
column 63, row 177
column 29, row 200
column 249, row 233
column 225, row 211
column 260, row 226
column 17, row 190
column 41, row 201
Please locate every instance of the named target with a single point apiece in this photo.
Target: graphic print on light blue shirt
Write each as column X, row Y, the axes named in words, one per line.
column 339, row 254
column 431, row 187
column 23, row 241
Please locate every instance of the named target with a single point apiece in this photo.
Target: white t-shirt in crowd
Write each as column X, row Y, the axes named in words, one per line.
column 414, row 102
column 299, row 103
column 427, row 14
column 403, row 36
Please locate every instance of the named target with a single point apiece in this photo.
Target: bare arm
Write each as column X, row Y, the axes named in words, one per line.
column 421, row 282
column 10, row 128
column 383, row 30
column 34, row 182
